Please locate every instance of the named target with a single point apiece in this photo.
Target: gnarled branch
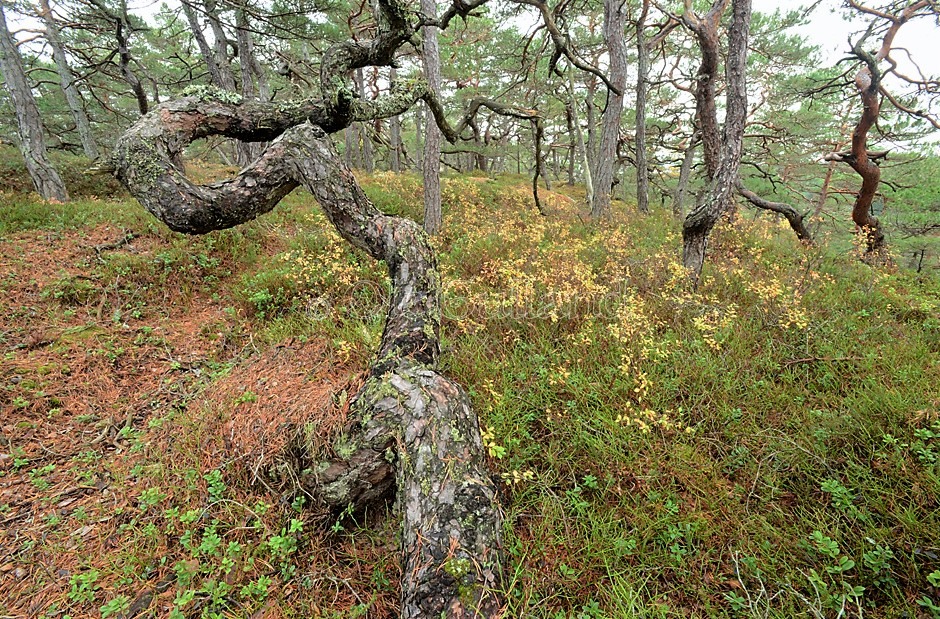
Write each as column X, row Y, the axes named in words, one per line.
column 794, row 218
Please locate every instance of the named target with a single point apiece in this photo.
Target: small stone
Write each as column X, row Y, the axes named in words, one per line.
column 19, row 573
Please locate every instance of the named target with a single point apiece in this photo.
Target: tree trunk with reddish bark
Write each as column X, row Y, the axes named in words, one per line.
column 868, row 84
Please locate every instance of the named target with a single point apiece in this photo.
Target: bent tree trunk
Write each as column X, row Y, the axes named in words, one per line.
column 699, row 223
column 867, row 82
column 415, row 430
column 32, row 143
column 869, row 87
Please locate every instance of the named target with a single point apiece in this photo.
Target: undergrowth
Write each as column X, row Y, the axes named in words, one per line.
column 766, row 446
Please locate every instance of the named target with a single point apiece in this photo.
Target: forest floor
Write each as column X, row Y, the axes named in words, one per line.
column 768, row 446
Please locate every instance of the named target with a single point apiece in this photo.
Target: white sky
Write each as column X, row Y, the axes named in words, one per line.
column 829, row 29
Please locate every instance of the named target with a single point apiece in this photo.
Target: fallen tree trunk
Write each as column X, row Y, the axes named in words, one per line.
column 414, row 429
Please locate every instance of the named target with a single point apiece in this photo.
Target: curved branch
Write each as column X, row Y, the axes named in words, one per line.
column 563, row 45
column 794, row 218
column 511, row 111
column 909, row 110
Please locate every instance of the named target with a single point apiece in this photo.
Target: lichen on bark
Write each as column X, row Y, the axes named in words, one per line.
column 413, row 433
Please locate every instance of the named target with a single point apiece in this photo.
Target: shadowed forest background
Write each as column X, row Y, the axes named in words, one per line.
column 755, row 433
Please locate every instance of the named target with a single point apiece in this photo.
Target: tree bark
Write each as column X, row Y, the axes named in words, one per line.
column 614, row 22
column 585, row 158
column 352, row 153
column 420, row 113
column 685, row 172
column 250, row 71
column 867, row 223
column 705, row 29
column 122, row 34
column 868, row 85
column 394, row 131
column 590, row 120
column 794, row 218
column 432, row 142
column 642, row 74
column 67, row 80
column 573, row 143
column 212, row 65
column 28, row 122
column 416, row 431
column 699, row 223
column 368, row 156
column 221, row 43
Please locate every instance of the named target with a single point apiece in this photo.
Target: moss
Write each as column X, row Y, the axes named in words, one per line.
column 457, row 567
column 428, row 331
column 344, row 447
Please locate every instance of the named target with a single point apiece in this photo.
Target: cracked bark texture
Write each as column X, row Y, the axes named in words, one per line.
column 614, row 22
column 414, row 429
column 699, row 223
column 29, row 125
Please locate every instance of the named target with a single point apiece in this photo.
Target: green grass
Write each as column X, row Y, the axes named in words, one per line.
column 766, row 447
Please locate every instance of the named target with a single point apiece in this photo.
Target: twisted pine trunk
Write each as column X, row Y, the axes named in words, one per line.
column 699, row 223
column 415, row 430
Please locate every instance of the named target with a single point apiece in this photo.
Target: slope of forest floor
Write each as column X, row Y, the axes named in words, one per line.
column 768, row 446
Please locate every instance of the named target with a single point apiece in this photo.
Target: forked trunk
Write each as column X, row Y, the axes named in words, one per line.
column 699, row 223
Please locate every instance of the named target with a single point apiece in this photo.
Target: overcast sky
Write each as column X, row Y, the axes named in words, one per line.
column 829, row 29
